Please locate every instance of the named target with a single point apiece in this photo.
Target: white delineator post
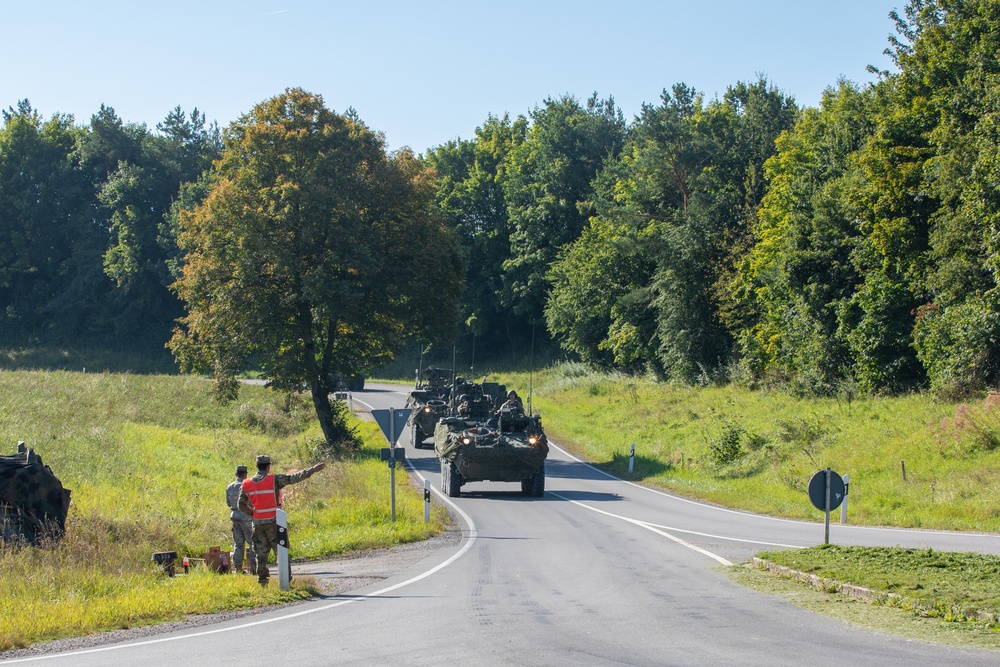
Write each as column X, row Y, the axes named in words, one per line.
column 843, row 507
column 284, row 566
column 427, row 500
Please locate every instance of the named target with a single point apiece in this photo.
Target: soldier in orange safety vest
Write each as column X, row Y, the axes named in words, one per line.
column 261, row 498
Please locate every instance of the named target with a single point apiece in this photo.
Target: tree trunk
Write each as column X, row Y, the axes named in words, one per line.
column 321, row 401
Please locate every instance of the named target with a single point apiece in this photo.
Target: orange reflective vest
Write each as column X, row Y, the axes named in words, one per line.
column 263, row 497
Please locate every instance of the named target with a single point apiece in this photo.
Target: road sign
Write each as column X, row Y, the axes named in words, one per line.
column 386, row 453
column 817, row 490
column 391, row 422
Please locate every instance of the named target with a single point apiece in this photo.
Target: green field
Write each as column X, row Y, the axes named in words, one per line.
column 147, row 459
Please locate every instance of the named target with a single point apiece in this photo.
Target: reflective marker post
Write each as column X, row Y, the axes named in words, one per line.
column 843, row 508
column 284, row 566
column 427, row 500
column 631, row 459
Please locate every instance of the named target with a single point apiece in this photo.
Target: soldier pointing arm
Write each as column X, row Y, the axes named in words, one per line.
column 261, row 498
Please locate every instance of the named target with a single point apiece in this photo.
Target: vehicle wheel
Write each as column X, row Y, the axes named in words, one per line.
column 526, row 485
column 356, row 383
column 418, row 438
column 538, row 483
column 454, row 480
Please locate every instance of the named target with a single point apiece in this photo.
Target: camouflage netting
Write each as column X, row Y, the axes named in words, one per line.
column 489, row 454
column 33, row 503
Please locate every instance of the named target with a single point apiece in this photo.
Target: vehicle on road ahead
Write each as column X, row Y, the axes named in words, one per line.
column 429, row 402
column 509, row 447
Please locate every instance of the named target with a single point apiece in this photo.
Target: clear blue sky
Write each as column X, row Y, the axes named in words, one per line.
column 422, row 72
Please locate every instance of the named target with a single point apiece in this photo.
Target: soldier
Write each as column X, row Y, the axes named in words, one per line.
column 261, row 498
column 242, row 525
column 513, row 403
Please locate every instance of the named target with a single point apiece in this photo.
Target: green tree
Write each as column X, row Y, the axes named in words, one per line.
column 46, row 229
column 547, row 184
column 314, row 252
column 791, row 287
column 471, row 199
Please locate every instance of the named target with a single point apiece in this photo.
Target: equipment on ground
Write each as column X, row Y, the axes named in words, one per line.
column 33, row 503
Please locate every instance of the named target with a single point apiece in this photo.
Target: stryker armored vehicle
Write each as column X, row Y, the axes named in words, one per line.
column 429, row 403
column 507, row 447
column 33, row 503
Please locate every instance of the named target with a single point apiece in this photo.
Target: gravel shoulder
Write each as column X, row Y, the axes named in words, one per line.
column 334, row 577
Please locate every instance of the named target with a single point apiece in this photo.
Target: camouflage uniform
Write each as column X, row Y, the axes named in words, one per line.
column 242, row 525
column 265, row 531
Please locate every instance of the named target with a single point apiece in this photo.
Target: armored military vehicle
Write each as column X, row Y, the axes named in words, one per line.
column 509, row 446
column 429, row 402
column 33, row 503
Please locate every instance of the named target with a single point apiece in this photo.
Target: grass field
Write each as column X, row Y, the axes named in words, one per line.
column 147, row 459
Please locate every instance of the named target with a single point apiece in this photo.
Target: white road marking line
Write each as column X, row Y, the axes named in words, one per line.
column 647, row 526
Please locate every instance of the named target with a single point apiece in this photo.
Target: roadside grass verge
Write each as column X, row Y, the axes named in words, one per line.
column 937, row 584
column 148, row 459
column 953, row 594
column 756, row 450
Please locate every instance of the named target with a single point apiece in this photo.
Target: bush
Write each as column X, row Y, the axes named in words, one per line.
column 727, row 448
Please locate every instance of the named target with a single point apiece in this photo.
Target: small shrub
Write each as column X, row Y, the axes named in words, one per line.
column 727, row 448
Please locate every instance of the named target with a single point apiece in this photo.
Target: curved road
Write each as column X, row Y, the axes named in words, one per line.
column 598, row 572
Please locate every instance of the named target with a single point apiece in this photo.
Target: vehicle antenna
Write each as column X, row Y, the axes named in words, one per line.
column 454, row 356
column 420, row 365
column 531, row 364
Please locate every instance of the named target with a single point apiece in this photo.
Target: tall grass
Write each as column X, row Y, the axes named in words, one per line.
column 148, row 459
column 756, row 450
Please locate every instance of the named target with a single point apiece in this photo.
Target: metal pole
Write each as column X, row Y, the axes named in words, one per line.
column 827, row 539
column 531, row 365
column 631, row 459
column 392, row 461
column 427, row 501
column 843, row 507
column 284, row 566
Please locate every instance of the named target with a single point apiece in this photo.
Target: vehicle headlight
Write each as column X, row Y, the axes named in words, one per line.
column 427, row 409
column 532, row 439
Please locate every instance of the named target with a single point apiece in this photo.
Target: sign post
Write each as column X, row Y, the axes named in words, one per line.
column 826, row 491
column 631, row 459
column 391, row 422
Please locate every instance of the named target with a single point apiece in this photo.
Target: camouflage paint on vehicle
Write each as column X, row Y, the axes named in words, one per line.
column 33, row 503
column 508, row 449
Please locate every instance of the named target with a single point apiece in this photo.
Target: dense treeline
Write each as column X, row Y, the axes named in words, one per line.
column 741, row 238
column 853, row 246
column 87, row 250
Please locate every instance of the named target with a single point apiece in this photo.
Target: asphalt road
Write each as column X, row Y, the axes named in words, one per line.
column 598, row 572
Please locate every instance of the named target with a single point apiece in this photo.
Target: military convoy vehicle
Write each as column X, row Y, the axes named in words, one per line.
column 429, row 402
column 477, row 445
column 33, row 503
